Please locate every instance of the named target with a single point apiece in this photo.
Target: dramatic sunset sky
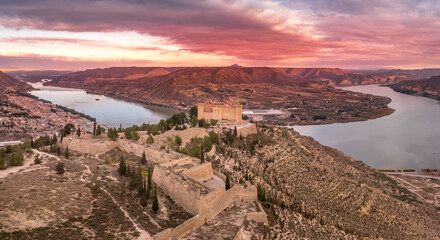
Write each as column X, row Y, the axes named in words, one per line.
column 350, row 34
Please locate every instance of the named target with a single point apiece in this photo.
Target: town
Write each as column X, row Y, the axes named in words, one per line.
column 24, row 117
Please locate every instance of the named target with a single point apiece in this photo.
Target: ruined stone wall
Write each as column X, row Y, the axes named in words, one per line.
column 182, row 194
column 211, row 205
column 84, row 145
column 184, row 228
column 201, row 172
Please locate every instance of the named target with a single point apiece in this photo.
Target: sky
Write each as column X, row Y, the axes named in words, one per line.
column 348, row 34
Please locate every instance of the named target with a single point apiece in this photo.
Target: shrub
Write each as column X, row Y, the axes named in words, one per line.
column 37, row 159
column 59, row 168
column 178, row 140
column 150, row 139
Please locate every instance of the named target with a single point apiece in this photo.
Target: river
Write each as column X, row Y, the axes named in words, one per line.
column 408, row 138
column 106, row 110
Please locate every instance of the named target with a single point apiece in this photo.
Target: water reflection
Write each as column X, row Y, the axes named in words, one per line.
column 409, row 138
column 106, row 110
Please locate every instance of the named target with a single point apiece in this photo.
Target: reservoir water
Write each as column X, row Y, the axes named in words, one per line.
column 408, row 138
column 108, row 111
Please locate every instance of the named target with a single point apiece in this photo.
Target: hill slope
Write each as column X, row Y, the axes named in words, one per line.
column 318, row 192
column 10, row 84
column 427, row 87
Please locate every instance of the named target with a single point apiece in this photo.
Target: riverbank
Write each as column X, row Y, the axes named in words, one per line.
column 406, row 139
column 384, row 113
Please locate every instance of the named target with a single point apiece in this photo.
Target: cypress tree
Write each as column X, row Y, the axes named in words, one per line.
column 66, row 153
column 143, row 159
column 235, row 131
column 122, row 167
column 94, row 128
column 155, row 202
column 228, row 183
column 78, row 132
column 98, row 131
column 2, row 163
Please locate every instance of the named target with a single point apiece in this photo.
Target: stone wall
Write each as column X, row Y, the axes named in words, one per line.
column 184, row 228
column 181, row 193
column 201, row 172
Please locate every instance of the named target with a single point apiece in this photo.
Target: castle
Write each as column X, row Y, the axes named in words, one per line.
column 230, row 111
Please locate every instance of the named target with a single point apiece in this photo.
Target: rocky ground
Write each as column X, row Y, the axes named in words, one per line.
column 90, row 200
column 316, row 192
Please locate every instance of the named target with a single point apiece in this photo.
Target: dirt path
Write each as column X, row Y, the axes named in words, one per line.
column 26, row 165
column 144, row 234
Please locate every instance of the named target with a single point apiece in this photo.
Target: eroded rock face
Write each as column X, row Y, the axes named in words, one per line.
column 318, row 192
column 427, row 87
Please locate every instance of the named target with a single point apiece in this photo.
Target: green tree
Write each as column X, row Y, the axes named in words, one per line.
column 195, row 148
column 194, row 121
column 143, row 158
column 213, row 136
column 2, row 163
column 98, row 131
column 112, row 134
column 155, row 202
column 150, row 139
column 16, row 159
column 235, row 131
column 66, row 152
column 37, row 159
column 68, row 128
column 213, row 122
column 59, row 168
column 260, row 193
column 122, row 167
column 78, row 132
column 193, row 112
column 94, row 128
column 178, row 140
column 206, row 144
column 228, row 182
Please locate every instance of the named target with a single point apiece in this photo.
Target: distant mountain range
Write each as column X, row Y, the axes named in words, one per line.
column 173, row 86
column 426, row 87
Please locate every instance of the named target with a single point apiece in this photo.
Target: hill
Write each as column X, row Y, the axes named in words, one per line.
column 426, row 87
column 10, row 84
column 317, row 192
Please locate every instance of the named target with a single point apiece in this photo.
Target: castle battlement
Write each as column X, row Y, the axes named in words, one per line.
column 228, row 110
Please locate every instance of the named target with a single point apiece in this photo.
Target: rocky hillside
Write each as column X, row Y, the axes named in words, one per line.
column 10, row 84
column 316, row 192
column 427, row 87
